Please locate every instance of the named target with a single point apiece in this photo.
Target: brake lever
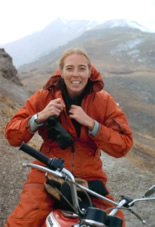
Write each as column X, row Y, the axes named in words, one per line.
column 140, row 218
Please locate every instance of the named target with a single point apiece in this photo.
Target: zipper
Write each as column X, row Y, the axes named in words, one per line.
column 73, row 158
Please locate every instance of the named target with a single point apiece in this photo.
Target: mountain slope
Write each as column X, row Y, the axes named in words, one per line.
column 118, row 49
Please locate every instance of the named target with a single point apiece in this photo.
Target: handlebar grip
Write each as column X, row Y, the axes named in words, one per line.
column 34, row 153
column 52, row 163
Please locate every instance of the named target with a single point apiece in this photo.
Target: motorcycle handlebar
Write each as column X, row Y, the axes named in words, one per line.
column 58, row 164
column 52, row 163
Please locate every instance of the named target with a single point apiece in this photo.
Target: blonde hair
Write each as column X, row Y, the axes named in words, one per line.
column 73, row 51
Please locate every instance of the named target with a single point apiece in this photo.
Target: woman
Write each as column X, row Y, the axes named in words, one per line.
column 75, row 95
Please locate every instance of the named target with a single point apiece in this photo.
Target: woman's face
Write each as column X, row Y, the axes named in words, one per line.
column 75, row 73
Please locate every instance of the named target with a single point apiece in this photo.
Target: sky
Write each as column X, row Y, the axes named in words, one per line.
column 19, row 18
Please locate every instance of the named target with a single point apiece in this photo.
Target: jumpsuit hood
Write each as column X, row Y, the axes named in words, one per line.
column 95, row 79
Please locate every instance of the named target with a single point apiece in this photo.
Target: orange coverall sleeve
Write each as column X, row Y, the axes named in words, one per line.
column 114, row 135
column 18, row 130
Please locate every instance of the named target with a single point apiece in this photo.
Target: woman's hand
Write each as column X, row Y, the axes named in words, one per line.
column 78, row 114
column 54, row 107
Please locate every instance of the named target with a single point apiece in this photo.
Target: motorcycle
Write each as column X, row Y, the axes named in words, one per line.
column 82, row 217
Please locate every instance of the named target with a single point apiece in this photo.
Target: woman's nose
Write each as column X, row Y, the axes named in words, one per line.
column 75, row 73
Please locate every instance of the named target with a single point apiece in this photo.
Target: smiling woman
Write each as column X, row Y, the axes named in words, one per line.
column 75, row 99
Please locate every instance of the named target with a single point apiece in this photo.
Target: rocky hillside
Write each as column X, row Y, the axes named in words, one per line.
column 7, row 69
column 12, row 94
column 12, row 97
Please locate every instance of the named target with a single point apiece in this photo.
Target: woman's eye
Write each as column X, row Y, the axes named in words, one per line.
column 69, row 69
column 82, row 69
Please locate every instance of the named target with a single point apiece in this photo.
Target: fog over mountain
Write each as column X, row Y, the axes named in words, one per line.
column 56, row 34
column 122, row 23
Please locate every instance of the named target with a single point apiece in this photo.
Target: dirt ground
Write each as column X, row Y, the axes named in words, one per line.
column 125, row 178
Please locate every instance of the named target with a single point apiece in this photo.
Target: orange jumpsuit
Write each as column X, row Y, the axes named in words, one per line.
column 113, row 137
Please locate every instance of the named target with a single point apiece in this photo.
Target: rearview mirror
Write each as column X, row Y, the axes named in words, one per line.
column 150, row 191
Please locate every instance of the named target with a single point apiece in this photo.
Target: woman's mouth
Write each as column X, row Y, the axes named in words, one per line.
column 76, row 82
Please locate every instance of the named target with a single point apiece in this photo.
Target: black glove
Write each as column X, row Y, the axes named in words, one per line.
column 58, row 133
